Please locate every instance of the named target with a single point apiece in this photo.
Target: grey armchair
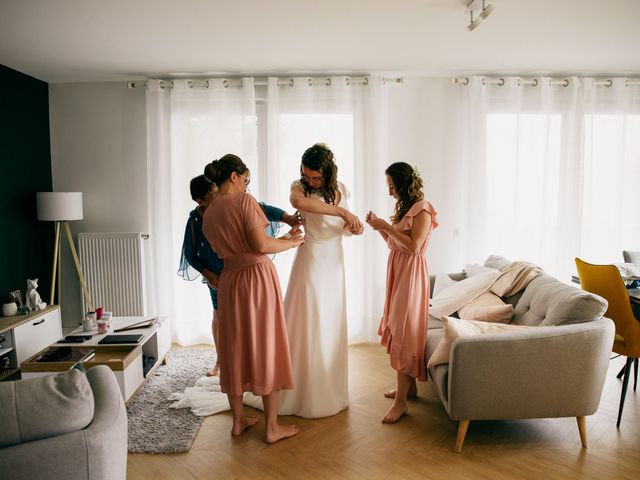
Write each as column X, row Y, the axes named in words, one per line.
column 66, row 426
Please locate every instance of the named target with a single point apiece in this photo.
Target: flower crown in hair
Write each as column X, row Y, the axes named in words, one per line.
column 322, row 145
column 415, row 173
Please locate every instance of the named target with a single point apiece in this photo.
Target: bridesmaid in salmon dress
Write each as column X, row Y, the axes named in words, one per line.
column 403, row 326
column 254, row 347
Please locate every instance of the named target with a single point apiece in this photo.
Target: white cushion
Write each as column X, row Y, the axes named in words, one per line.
column 473, row 269
column 454, row 297
column 455, row 327
column 488, row 307
column 441, row 282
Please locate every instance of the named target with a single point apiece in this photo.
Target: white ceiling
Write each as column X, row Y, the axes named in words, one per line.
column 91, row 40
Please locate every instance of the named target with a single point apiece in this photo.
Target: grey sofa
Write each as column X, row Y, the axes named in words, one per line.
column 555, row 370
column 67, row 426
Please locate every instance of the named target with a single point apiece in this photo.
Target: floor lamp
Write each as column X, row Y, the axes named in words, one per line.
column 61, row 207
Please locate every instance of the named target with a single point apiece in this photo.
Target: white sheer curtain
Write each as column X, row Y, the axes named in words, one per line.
column 548, row 169
column 189, row 124
column 610, row 218
column 350, row 117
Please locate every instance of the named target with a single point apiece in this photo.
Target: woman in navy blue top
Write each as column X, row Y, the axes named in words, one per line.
column 197, row 256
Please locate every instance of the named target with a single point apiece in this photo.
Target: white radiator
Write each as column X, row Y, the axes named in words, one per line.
column 114, row 268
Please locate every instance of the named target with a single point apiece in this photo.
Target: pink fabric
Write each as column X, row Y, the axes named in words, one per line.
column 403, row 326
column 254, row 349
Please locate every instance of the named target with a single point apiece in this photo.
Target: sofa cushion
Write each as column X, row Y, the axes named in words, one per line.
column 473, row 269
column 43, row 407
column 547, row 301
column 488, row 307
column 455, row 327
column 497, row 262
column 452, row 298
column 441, row 282
column 515, row 278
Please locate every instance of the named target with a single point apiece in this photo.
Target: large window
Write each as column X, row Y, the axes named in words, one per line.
column 522, row 185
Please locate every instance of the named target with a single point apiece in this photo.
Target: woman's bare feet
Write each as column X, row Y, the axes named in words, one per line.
column 214, row 372
column 280, row 432
column 396, row 411
column 412, row 393
column 242, row 425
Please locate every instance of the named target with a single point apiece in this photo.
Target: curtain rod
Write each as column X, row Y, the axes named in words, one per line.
column 237, row 82
column 534, row 81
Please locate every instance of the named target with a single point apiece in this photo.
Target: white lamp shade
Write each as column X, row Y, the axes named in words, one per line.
column 59, row 206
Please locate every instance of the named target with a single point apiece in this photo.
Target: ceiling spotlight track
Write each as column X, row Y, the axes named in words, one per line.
column 478, row 11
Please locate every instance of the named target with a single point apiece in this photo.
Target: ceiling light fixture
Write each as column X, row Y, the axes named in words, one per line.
column 478, row 9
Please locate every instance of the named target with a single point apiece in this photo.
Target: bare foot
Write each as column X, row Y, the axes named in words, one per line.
column 412, row 393
column 214, row 372
column 242, row 426
column 394, row 413
column 281, row 432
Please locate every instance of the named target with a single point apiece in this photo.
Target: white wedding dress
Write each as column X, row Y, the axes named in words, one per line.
column 316, row 315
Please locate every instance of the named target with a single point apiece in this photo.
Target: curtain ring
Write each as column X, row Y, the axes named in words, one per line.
column 347, row 81
column 190, row 84
column 310, row 82
column 328, row 82
column 483, row 82
column 501, row 82
column 566, row 82
column 534, row 82
column 365, row 81
column 291, row 82
column 206, row 84
column 608, row 83
column 225, row 83
column 466, row 81
column 518, row 83
column 162, row 85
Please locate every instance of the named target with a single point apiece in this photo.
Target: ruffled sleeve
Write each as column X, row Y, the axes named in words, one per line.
column 415, row 209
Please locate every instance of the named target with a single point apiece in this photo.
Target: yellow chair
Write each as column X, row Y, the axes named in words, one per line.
column 605, row 280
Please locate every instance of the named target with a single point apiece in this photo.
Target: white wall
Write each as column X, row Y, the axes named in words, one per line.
column 98, row 147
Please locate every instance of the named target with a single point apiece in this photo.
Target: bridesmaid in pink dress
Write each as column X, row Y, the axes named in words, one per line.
column 254, row 349
column 403, row 326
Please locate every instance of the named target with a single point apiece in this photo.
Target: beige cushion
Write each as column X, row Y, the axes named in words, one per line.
column 473, row 269
column 455, row 327
column 515, row 278
column 497, row 261
column 454, row 297
column 43, row 407
column 488, row 307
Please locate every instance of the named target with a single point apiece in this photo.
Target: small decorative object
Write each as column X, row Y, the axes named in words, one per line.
column 24, row 310
column 33, row 297
column 9, row 305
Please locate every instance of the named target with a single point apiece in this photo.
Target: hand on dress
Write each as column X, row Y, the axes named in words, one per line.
column 292, row 220
column 376, row 222
column 351, row 221
column 295, row 236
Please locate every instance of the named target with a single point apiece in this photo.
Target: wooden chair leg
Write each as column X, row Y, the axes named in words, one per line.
column 462, row 432
column 625, row 383
column 582, row 428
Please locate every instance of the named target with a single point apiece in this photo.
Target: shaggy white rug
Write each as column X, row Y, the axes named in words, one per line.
column 155, row 427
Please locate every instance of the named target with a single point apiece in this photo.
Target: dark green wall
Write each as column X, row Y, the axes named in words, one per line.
column 26, row 245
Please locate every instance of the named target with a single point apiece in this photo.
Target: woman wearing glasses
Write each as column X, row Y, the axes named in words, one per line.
column 199, row 259
column 253, row 336
column 315, row 303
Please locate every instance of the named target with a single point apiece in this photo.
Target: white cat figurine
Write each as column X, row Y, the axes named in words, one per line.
column 33, row 297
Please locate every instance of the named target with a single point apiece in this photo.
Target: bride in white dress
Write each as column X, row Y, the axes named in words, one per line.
column 315, row 302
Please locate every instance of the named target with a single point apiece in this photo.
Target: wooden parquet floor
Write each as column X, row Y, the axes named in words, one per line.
column 354, row 444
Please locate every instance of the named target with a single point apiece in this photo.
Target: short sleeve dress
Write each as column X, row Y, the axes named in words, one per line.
column 403, row 326
column 254, row 349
